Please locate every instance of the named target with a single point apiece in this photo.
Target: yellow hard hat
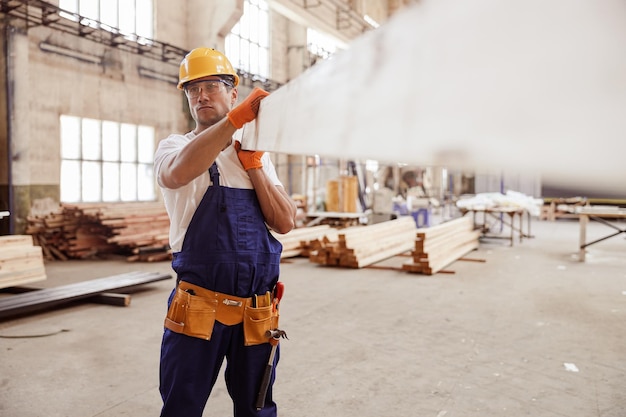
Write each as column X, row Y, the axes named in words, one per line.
column 202, row 62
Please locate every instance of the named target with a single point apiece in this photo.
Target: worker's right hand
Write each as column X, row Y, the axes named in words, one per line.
column 247, row 110
column 249, row 159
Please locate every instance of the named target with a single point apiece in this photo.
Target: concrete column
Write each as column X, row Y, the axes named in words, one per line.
column 210, row 21
column 297, row 56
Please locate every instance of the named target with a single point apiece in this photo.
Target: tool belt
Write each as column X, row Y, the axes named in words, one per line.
column 194, row 310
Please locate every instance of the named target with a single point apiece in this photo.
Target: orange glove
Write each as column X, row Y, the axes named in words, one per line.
column 247, row 110
column 249, row 159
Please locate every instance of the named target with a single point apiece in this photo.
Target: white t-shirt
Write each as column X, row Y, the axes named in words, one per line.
column 182, row 202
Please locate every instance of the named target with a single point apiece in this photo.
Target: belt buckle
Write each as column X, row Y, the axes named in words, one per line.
column 232, row 302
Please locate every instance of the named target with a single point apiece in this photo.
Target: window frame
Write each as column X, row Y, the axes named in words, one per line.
column 92, row 11
column 247, row 47
column 93, row 172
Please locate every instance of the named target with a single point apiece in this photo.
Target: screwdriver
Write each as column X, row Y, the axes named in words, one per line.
column 279, row 289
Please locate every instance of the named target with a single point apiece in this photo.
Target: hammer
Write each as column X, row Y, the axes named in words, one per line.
column 274, row 337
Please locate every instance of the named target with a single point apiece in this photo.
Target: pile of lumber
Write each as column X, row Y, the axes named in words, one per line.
column 65, row 234
column 85, row 230
column 360, row 246
column 304, row 240
column 438, row 246
column 21, row 262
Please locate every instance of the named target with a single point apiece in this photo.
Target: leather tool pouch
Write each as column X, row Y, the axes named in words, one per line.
column 194, row 310
column 256, row 323
column 191, row 315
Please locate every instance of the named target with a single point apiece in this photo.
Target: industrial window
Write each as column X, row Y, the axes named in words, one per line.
column 320, row 45
column 104, row 161
column 247, row 45
column 129, row 17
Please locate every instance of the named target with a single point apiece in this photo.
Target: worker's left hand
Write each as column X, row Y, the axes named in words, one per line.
column 248, row 109
column 249, row 159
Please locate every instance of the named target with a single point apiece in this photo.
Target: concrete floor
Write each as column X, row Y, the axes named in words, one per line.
column 529, row 332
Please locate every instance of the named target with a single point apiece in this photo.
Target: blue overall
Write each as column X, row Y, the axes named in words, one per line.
column 228, row 249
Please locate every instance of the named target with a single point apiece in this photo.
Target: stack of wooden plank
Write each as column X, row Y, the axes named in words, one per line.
column 138, row 228
column 47, row 231
column 21, row 262
column 360, row 246
column 299, row 242
column 79, row 231
column 312, row 247
column 438, row 246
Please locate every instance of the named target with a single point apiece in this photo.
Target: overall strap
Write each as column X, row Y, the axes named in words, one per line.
column 215, row 175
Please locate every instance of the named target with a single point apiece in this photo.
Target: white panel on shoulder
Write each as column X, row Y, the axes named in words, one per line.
column 528, row 85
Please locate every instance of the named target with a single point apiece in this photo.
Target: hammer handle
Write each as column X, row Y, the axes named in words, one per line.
column 265, row 382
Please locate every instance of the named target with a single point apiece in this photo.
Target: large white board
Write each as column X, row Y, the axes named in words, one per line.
column 522, row 85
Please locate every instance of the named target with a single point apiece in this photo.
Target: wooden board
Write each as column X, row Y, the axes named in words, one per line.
column 20, row 261
column 461, row 223
column 295, row 237
column 299, row 240
column 521, row 85
column 434, row 245
column 15, row 240
column 122, row 300
column 15, row 305
column 19, row 252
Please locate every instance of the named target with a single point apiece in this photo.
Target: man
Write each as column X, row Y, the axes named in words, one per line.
column 221, row 200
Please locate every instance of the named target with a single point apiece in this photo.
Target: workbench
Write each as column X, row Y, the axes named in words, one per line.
column 600, row 215
column 564, row 207
column 505, row 216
